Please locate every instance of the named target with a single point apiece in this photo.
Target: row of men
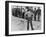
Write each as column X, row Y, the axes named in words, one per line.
column 23, row 13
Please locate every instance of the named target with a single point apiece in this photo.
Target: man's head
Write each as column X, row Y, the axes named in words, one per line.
column 31, row 15
column 35, row 8
column 27, row 8
column 38, row 7
column 31, row 8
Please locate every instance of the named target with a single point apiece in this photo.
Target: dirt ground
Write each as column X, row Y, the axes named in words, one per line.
column 19, row 24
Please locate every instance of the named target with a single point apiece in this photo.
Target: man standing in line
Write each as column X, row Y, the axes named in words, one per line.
column 23, row 12
column 35, row 13
column 39, row 13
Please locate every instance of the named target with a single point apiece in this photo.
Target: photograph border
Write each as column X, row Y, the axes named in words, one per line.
column 7, row 17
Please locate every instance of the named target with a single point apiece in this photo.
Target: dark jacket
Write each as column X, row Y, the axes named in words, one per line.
column 39, row 11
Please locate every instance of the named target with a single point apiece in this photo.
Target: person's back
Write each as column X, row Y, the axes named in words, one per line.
column 29, row 18
column 28, row 13
column 38, row 11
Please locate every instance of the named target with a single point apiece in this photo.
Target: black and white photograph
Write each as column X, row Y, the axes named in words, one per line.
column 25, row 18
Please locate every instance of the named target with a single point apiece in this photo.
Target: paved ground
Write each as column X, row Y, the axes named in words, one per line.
column 18, row 24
